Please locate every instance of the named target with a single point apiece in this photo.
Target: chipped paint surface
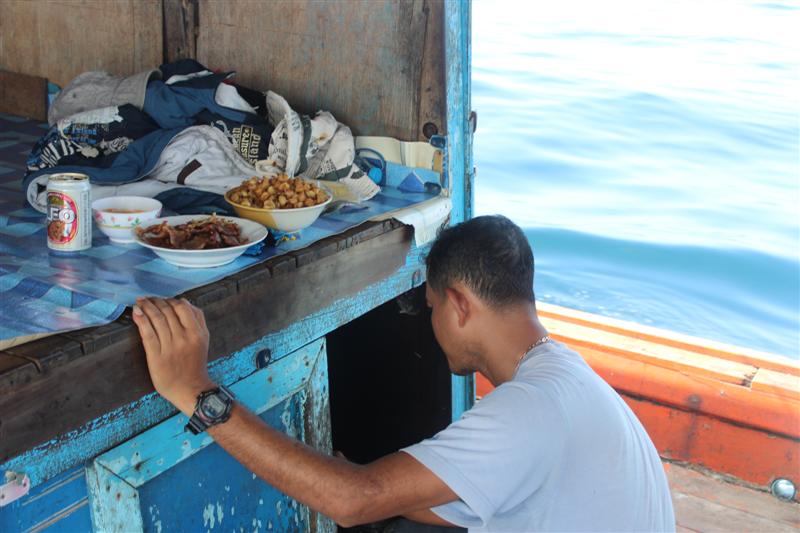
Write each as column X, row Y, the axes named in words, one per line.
column 459, row 136
column 228, row 496
column 208, row 516
column 76, row 447
column 458, row 161
column 154, row 518
column 119, row 494
column 238, row 489
column 317, row 433
column 59, row 504
column 160, row 448
column 107, row 491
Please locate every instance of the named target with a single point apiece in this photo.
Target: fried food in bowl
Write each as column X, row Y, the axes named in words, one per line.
column 280, row 202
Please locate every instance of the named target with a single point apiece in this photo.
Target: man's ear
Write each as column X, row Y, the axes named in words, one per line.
column 460, row 303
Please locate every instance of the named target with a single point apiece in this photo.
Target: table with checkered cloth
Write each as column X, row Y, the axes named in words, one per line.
column 41, row 292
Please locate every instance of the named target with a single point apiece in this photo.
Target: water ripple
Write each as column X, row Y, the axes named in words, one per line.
column 652, row 152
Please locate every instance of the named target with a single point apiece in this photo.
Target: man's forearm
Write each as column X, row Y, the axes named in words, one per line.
column 322, row 482
column 350, row 494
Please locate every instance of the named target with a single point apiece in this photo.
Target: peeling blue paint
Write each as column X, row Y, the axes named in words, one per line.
column 128, row 482
column 208, row 516
column 458, row 169
column 107, row 491
column 163, row 446
column 60, row 503
column 230, row 496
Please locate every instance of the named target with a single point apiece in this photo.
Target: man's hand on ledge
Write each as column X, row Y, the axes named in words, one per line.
column 175, row 339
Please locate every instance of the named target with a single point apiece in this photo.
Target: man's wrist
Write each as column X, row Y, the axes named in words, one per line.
column 186, row 400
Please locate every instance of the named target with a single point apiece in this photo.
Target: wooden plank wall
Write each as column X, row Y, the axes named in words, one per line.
column 378, row 65
column 180, row 29
column 23, row 95
column 363, row 61
column 59, row 39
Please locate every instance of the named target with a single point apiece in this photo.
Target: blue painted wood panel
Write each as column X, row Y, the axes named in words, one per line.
column 459, row 134
column 459, row 170
column 166, row 479
column 211, row 491
column 60, row 504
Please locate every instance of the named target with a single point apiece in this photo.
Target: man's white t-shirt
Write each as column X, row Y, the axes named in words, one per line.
column 554, row 449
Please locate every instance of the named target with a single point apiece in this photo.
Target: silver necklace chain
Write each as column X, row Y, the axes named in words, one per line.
column 531, row 347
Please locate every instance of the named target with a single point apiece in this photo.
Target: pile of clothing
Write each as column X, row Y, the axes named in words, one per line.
column 184, row 135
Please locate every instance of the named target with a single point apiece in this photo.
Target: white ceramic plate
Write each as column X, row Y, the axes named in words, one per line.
column 253, row 231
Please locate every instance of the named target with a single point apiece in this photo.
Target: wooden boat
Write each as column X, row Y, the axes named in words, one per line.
column 85, row 444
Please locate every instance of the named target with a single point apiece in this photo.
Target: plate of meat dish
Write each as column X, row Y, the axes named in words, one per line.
column 198, row 241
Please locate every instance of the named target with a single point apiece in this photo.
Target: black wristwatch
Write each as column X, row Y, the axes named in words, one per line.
column 213, row 407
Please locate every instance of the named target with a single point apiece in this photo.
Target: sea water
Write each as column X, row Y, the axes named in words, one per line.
column 650, row 150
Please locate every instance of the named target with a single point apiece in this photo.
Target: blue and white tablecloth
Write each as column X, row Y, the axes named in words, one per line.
column 41, row 292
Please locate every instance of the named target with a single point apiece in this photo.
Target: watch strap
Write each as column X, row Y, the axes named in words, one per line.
column 195, row 425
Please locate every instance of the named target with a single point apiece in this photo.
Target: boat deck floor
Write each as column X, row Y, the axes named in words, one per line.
column 703, row 502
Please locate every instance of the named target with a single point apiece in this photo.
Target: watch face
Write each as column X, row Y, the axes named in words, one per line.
column 213, row 406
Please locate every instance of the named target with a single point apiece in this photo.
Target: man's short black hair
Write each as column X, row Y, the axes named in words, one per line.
column 490, row 255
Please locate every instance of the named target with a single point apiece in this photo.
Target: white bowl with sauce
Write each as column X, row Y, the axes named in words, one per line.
column 116, row 216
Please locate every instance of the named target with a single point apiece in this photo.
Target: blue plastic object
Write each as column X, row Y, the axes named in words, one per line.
column 412, row 183
column 376, row 174
column 374, row 167
column 438, row 141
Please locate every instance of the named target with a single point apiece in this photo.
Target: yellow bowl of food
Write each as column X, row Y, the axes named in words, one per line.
column 280, row 202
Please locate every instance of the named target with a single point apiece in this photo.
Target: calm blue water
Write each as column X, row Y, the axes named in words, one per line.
column 650, row 149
